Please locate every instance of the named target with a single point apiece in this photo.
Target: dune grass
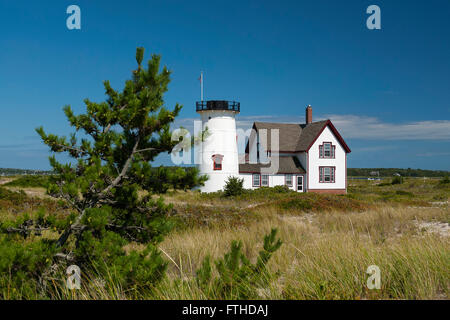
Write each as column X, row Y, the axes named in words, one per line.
column 329, row 241
column 325, row 256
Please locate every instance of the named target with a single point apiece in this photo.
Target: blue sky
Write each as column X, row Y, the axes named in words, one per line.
column 387, row 91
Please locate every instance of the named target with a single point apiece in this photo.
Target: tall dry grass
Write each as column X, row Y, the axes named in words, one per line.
column 325, row 256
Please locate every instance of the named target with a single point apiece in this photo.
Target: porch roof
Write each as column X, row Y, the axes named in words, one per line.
column 286, row 165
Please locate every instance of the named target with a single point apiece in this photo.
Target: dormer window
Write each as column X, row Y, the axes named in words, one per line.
column 327, row 151
column 217, row 160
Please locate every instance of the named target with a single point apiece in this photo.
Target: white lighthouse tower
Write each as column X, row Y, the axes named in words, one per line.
column 218, row 154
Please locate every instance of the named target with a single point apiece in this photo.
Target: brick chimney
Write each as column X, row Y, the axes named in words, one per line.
column 308, row 114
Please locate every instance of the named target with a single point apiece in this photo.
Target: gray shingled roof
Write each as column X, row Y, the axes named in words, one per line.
column 293, row 137
column 285, row 165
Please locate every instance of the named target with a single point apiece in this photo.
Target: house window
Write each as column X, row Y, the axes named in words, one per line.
column 217, row 160
column 327, row 151
column 288, row 179
column 327, row 174
column 256, row 180
column 265, row 180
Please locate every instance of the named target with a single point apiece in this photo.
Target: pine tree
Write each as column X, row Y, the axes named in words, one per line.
column 111, row 170
column 237, row 277
column 233, row 187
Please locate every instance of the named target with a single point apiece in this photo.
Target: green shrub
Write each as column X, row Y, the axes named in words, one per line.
column 306, row 202
column 404, row 193
column 29, row 182
column 397, row 180
column 20, row 265
column 300, row 204
column 12, row 196
column 281, row 189
column 445, row 180
column 233, row 187
column 440, row 197
column 131, row 270
column 237, row 277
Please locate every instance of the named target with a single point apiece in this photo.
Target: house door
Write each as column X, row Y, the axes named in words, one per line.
column 299, row 183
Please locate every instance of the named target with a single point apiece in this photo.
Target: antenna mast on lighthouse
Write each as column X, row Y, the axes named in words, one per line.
column 201, row 86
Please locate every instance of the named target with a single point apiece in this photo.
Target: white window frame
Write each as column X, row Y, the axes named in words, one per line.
column 331, row 175
column 332, row 150
column 289, row 184
column 262, row 180
column 258, row 184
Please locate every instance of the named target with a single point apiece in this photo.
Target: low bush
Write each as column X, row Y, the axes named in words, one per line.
column 404, row 193
column 299, row 204
column 259, row 194
column 192, row 216
column 264, row 192
column 445, row 180
column 306, row 202
column 20, row 265
column 18, row 201
column 29, row 182
column 237, row 277
column 397, row 180
column 233, row 187
column 12, row 196
column 384, row 184
column 281, row 189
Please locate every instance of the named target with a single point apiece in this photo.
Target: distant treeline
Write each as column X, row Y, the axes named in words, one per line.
column 160, row 179
column 352, row 172
column 389, row 172
column 13, row 172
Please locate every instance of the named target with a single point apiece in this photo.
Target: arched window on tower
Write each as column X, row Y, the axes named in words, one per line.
column 217, row 160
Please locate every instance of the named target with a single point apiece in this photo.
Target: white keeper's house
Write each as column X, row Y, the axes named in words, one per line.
column 307, row 157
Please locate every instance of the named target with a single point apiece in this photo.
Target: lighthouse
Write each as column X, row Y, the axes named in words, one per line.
column 218, row 152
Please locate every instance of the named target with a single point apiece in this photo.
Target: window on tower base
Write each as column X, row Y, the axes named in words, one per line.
column 217, row 161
